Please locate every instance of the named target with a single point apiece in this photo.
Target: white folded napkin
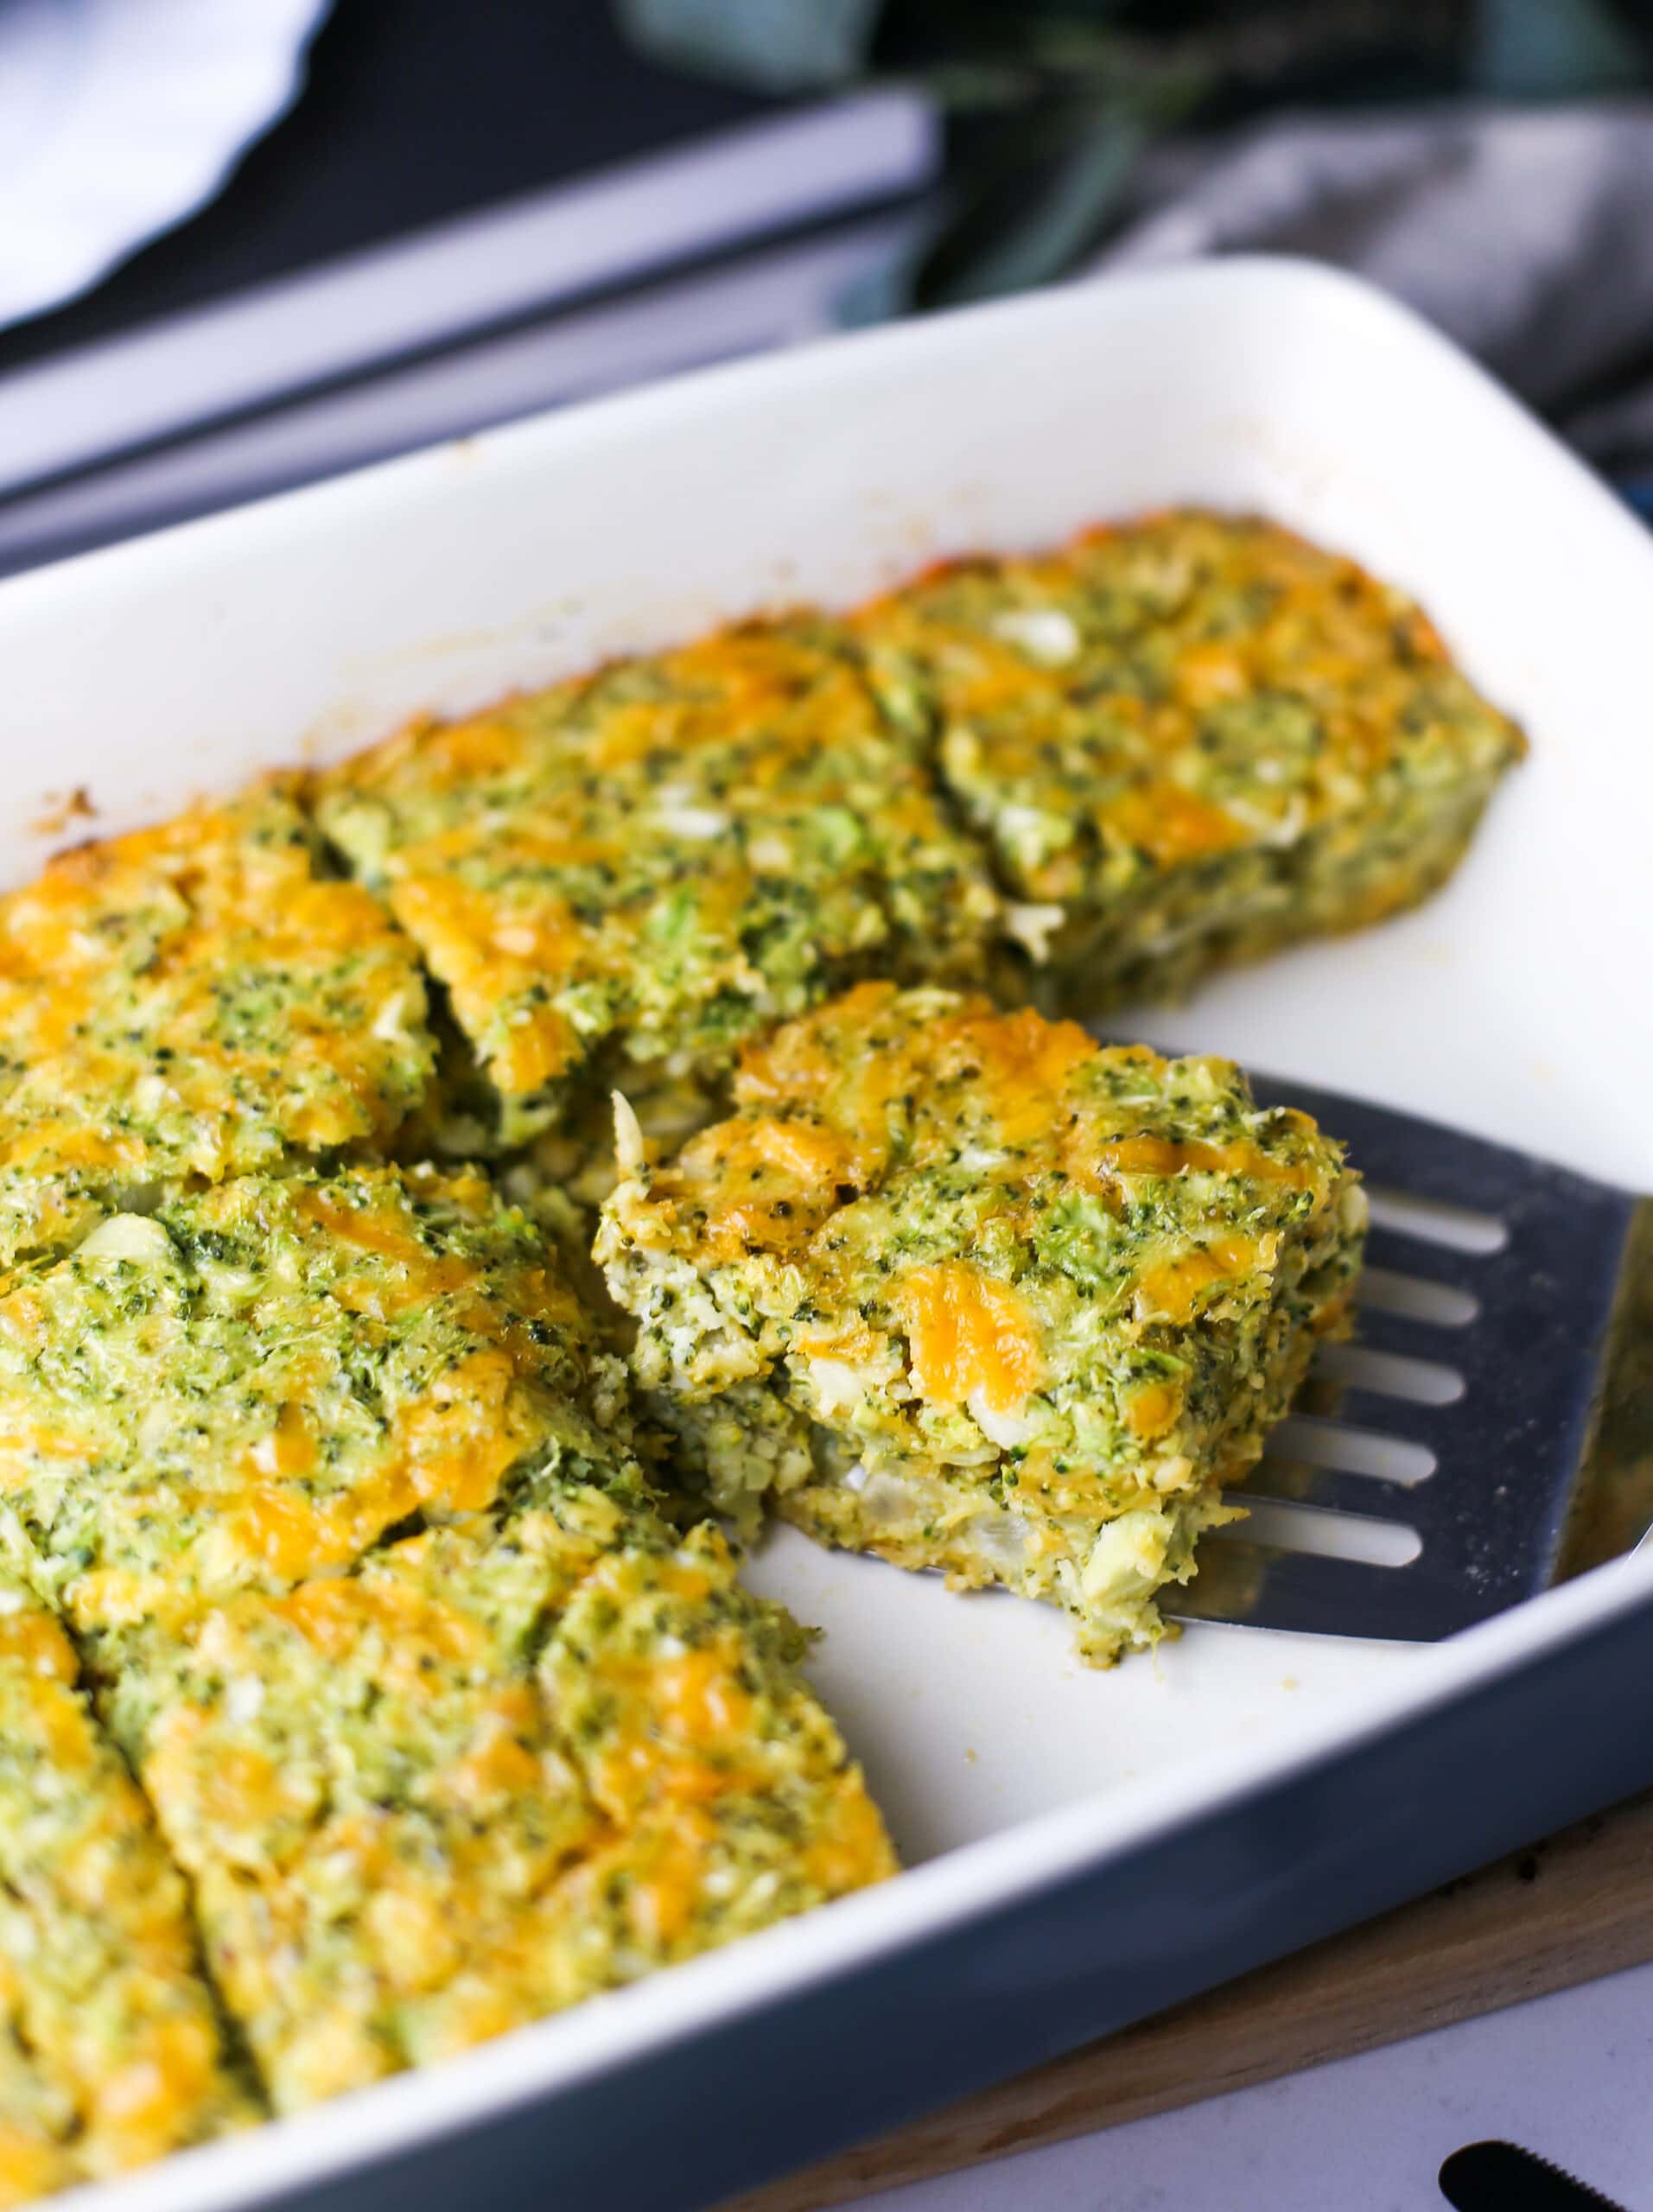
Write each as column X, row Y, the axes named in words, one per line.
column 120, row 118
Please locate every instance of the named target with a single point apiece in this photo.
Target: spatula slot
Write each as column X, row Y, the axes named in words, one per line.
column 1420, row 1382
column 1351, row 1450
column 1414, row 1298
column 1322, row 1535
column 1433, row 1222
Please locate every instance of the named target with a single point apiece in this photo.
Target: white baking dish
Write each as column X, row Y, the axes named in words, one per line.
column 1084, row 1846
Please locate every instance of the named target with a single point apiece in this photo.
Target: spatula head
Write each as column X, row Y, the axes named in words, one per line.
column 1432, row 1475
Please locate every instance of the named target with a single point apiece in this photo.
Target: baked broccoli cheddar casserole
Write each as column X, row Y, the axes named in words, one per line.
column 616, row 881
column 1188, row 740
column 964, row 1288
column 375, row 1674
column 446, row 1725
column 191, row 1002
column 111, row 2047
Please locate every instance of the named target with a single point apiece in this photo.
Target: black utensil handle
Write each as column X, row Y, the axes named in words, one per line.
column 1503, row 2178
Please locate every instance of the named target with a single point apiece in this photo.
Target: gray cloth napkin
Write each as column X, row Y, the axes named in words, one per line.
column 1526, row 234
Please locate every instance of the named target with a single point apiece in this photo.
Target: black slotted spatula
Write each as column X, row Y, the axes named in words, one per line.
column 1488, row 1430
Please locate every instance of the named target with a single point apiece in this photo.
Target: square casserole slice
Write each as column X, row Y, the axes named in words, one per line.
column 111, row 2052
column 617, row 879
column 356, row 1774
column 1189, row 739
column 256, row 1383
column 963, row 1288
column 500, row 1767
column 188, row 1003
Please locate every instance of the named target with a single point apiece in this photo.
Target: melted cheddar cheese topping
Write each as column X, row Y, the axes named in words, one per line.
column 1191, row 735
column 650, row 862
column 354, row 1773
column 726, row 1797
column 253, row 1385
column 189, row 1003
column 406, row 1833
column 110, row 2050
column 968, row 1333
column 332, row 1475
column 946, row 1263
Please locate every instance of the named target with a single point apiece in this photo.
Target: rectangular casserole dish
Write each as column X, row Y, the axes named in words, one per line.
column 1085, row 1848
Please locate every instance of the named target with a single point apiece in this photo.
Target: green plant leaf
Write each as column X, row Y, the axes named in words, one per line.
column 971, row 87
column 1036, row 199
column 1007, row 242
column 770, row 46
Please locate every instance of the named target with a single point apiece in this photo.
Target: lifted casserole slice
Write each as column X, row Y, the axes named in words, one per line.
column 963, row 1288
column 408, row 1830
column 110, row 2048
column 255, row 1383
column 188, row 1003
column 617, row 879
column 1189, row 739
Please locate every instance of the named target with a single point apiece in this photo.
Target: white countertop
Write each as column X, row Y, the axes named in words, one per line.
column 1570, row 2077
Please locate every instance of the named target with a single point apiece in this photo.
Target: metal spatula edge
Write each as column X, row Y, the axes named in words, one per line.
column 1503, row 1353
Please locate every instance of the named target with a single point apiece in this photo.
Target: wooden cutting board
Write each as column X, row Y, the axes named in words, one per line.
column 1572, row 1907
